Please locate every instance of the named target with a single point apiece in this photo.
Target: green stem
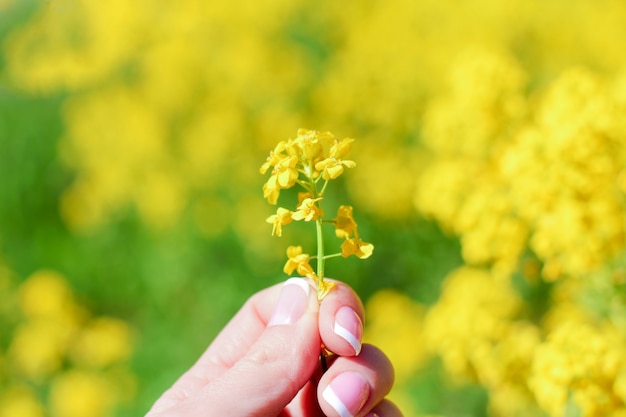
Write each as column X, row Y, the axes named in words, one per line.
column 303, row 185
column 320, row 252
column 320, row 235
column 324, row 187
column 320, row 239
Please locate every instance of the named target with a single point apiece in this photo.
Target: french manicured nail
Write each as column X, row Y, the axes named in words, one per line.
column 292, row 302
column 347, row 393
column 348, row 325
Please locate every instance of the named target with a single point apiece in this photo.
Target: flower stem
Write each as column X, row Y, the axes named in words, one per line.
column 324, row 187
column 320, row 256
column 320, row 240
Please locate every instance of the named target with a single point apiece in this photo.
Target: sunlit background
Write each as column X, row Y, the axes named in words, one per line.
column 491, row 178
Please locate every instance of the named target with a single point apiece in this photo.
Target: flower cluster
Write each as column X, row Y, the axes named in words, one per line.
column 581, row 366
column 476, row 328
column 311, row 160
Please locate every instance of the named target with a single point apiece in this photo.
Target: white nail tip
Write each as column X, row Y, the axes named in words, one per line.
column 299, row 282
column 332, row 399
column 348, row 337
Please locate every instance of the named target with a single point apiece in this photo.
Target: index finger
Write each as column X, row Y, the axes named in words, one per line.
column 341, row 318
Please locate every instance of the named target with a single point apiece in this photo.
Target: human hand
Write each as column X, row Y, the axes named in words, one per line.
column 265, row 362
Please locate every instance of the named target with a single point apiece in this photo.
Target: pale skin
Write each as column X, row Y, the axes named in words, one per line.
column 265, row 363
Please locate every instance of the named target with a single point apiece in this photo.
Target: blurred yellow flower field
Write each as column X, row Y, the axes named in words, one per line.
column 60, row 360
column 490, row 174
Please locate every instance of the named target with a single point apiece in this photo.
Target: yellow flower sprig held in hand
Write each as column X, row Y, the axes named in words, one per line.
column 312, row 160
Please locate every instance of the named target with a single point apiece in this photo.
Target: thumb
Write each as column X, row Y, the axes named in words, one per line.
column 278, row 364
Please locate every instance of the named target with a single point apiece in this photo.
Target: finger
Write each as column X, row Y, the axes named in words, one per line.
column 304, row 403
column 385, row 408
column 353, row 386
column 241, row 332
column 275, row 367
column 228, row 347
column 341, row 321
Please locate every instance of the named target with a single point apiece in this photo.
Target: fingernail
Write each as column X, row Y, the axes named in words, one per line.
column 292, row 302
column 372, row 414
column 348, row 325
column 347, row 393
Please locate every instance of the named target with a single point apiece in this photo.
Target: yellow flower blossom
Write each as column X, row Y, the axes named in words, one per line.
column 579, row 366
column 298, row 261
column 278, row 220
column 284, row 175
column 20, row 401
column 339, row 149
column 473, row 313
column 476, row 329
column 78, row 393
column 286, row 172
column 274, row 158
column 271, row 191
column 104, row 341
column 345, row 226
column 394, row 323
column 303, row 196
column 46, row 294
column 333, row 166
column 307, row 144
column 308, row 210
column 38, row 348
column 355, row 246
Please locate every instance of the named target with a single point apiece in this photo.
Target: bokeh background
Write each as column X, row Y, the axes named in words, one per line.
column 490, row 149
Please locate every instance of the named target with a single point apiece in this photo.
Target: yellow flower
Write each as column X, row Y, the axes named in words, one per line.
column 271, row 190
column 38, row 348
column 78, row 393
column 307, row 143
column 274, row 158
column 474, row 310
column 103, row 342
column 281, row 218
column 284, row 175
column 308, row 210
column 333, row 167
column 298, row 261
column 303, row 196
column 20, row 401
column 394, row 322
column 355, row 246
column 579, row 365
column 340, row 149
column 286, row 172
column 46, row 294
column 345, row 226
